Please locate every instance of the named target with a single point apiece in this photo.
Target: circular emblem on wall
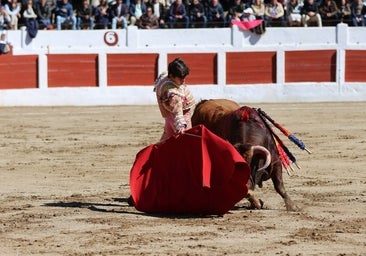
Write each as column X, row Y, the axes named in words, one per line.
column 111, row 38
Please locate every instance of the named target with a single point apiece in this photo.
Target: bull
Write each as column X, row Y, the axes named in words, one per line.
column 247, row 132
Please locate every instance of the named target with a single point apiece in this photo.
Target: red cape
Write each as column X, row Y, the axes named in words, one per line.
column 194, row 173
column 246, row 25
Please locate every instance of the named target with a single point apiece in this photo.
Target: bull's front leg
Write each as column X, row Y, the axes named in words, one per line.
column 255, row 203
column 278, row 184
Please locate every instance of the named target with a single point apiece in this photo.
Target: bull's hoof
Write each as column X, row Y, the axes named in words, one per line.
column 291, row 207
column 261, row 202
column 256, row 205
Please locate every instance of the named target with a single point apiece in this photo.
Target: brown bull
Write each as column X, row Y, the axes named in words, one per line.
column 244, row 128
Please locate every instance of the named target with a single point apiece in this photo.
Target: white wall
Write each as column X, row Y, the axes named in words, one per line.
column 164, row 41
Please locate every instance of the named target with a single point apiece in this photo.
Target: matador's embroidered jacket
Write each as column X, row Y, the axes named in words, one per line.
column 174, row 100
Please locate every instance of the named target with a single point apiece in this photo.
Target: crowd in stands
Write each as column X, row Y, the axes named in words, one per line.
column 153, row 14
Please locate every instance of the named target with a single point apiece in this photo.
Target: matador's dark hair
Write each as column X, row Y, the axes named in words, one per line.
column 178, row 68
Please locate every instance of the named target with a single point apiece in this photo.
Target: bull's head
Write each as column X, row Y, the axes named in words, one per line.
column 258, row 157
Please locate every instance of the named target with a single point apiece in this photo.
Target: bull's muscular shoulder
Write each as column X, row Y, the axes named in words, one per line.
column 217, row 106
column 227, row 105
column 209, row 112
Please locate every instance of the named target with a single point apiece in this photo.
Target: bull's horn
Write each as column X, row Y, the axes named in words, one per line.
column 261, row 150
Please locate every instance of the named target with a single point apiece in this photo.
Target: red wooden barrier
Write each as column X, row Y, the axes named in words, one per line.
column 310, row 66
column 72, row 70
column 250, row 67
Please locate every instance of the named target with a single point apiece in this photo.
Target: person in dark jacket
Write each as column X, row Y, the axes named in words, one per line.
column 178, row 14
column 84, row 17
column 215, row 14
column 197, row 14
column 101, row 15
column 329, row 13
column 65, row 15
column 119, row 15
column 44, row 14
column 310, row 13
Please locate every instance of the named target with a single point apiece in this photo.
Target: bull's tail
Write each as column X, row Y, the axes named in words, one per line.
column 286, row 156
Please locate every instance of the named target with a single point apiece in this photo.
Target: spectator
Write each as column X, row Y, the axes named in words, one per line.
column 52, row 4
column 329, row 13
column 160, row 11
column 248, row 15
column 215, row 14
column 357, row 10
column 274, row 14
column 345, row 12
column 101, row 16
column 237, row 7
column 137, row 9
column 178, row 15
column 119, row 15
column 310, row 14
column 4, row 44
column 237, row 15
column 29, row 12
column 258, row 8
column 30, row 18
column 44, row 12
column 85, row 17
column 197, row 15
column 293, row 11
column 13, row 10
column 148, row 20
column 65, row 15
column 4, row 19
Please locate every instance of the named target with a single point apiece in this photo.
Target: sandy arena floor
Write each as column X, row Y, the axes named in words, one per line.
column 64, row 182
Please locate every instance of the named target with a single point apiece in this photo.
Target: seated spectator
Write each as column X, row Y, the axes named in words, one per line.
column 345, row 12
column 137, row 9
column 248, row 15
column 236, row 16
column 101, row 15
column 4, row 19
column 30, row 18
column 29, row 12
column 65, row 15
column 160, row 11
column 13, row 10
column 215, row 14
column 4, row 44
column 197, row 15
column 358, row 11
column 310, row 14
column 85, row 19
column 274, row 14
column 236, row 7
column 258, row 8
column 148, row 20
column 293, row 11
column 119, row 15
column 329, row 13
column 44, row 12
column 178, row 15
column 52, row 4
